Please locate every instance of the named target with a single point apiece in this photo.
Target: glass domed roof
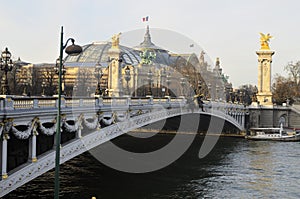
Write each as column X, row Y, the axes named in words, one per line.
column 97, row 52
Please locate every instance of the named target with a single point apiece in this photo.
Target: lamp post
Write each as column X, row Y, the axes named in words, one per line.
column 209, row 94
column 98, row 74
column 25, row 83
column 63, row 72
column 231, row 95
column 71, row 50
column 168, row 81
column 88, row 90
column 182, row 83
column 6, row 65
column 127, row 78
column 199, row 86
column 162, row 79
column 43, row 88
column 75, row 88
column 150, row 74
column 217, row 98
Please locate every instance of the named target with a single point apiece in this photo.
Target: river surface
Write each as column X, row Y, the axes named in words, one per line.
column 235, row 168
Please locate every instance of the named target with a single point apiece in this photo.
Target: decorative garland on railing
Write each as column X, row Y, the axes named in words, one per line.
column 91, row 125
column 108, row 121
column 26, row 133
column 47, row 131
column 70, row 128
column 121, row 117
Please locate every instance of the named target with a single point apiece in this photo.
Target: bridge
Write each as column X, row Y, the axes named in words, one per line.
column 28, row 127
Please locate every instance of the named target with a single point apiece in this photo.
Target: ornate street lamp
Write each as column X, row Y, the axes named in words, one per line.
column 209, row 94
column 199, row 86
column 231, row 95
column 63, row 72
column 162, row 79
column 98, row 74
column 168, row 81
column 150, row 75
column 43, row 88
column 182, row 83
column 75, row 89
column 217, row 92
column 88, row 90
column 25, row 83
column 127, row 78
column 6, row 65
column 71, row 50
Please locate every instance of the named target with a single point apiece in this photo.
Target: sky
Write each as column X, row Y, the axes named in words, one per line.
column 225, row 29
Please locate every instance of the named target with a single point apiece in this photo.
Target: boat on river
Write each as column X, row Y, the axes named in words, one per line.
column 274, row 134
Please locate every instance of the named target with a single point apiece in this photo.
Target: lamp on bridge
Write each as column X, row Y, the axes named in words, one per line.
column 209, row 90
column 88, row 91
column 75, row 89
column 149, row 78
column 199, row 86
column 98, row 74
column 127, row 78
column 25, row 83
column 43, row 87
column 71, row 50
column 162, row 79
column 217, row 93
column 6, row 65
column 182, row 83
column 168, row 81
column 63, row 72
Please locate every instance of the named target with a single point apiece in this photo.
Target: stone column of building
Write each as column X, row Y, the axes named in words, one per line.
column 114, row 70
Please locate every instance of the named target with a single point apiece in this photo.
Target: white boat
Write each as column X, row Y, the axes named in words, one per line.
column 274, row 134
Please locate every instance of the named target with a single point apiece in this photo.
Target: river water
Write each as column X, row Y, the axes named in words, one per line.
column 235, row 168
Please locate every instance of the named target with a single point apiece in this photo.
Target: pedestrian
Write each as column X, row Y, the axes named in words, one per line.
column 200, row 102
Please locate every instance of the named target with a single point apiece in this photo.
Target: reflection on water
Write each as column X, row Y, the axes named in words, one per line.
column 236, row 168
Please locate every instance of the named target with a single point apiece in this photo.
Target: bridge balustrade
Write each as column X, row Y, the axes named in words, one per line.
column 25, row 103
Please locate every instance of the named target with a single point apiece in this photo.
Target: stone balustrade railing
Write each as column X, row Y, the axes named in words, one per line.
column 10, row 103
column 14, row 103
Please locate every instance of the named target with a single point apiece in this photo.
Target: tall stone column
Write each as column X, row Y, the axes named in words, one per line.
column 264, row 95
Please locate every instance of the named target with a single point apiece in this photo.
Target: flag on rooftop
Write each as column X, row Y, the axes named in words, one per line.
column 145, row 18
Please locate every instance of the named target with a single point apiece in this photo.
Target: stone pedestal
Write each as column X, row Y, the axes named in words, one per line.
column 264, row 95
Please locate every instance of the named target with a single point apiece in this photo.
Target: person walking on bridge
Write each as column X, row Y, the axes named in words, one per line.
column 200, row 102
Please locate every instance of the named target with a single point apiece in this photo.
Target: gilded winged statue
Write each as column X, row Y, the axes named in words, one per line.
column 116, row 40
column 264, row 41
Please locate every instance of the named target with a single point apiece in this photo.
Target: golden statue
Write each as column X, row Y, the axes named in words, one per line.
column 264, row 41
column 115, row 40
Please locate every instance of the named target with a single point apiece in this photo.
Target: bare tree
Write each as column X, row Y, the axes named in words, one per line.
column 294, row 78
column 283, row 89
column 48, row 76
column 84, row 82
